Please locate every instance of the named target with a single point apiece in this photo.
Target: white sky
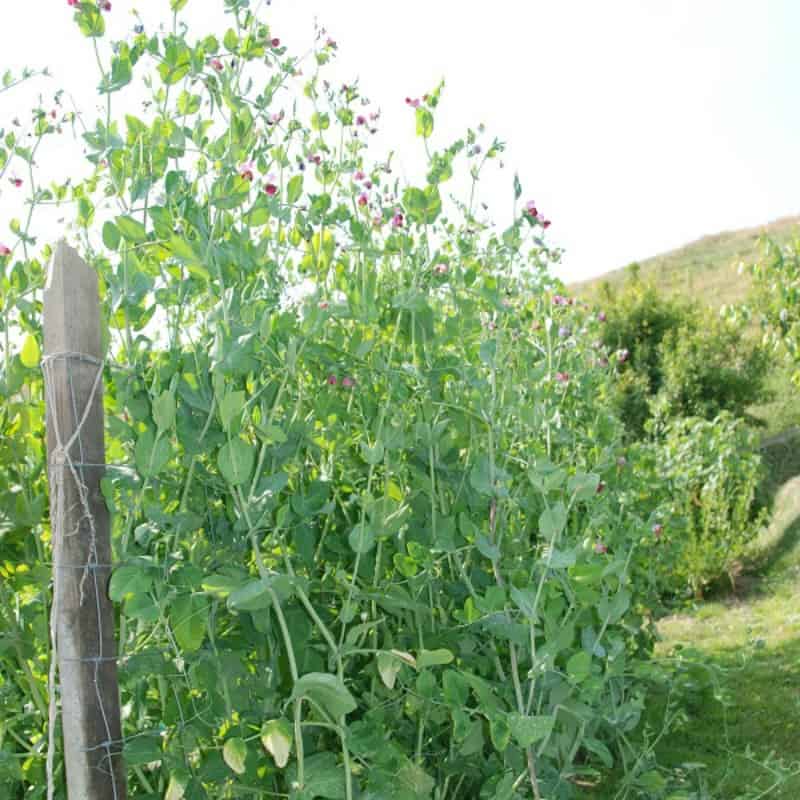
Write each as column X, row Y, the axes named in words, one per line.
column 636, row 125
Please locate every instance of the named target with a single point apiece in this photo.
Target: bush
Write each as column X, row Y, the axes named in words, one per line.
column 675, row 360
column 710, row 368
column 705, row 475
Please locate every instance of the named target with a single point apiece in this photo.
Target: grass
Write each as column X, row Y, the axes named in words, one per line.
column 707, row 268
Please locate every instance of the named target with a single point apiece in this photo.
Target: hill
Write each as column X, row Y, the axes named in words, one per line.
column 707, row 269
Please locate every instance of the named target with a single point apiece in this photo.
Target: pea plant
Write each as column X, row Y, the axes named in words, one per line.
column 371, row 522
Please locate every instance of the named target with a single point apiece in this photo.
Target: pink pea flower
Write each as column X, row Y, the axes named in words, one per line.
column 330, row 43
column 601, row 317
column 602, row 362
column 271, row 189
column 600, row 487
column 332, row 380
column 348, row 383
column 368, row 184
column 72, row 3
column 217, row 64
column 315, row 159
column 562, row 377
column 560, row 300
column 530, row 209
column 546, row 223
column 377, row 222
column 623, row 355
column 658, row 529
column 440, row 269
column 414, row 103
column 5, row 250
column 275, row 42
column 359, row 176
column 16, row 182
column 363, row 199
column 600, row 548
column 246, row 171
column 564, row 332
column 106, row 5
column 323, row 304
column 275, row 118
column 375, row 115
column 361, row 120
column 397, row 220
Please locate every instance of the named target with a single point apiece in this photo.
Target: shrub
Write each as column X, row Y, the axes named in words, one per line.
column 711, row 368
column 676, row 360
column 706, row 474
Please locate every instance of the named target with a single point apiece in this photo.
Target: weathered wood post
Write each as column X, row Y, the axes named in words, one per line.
column 83, row 619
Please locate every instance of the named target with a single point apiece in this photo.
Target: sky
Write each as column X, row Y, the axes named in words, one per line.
column 635, row 125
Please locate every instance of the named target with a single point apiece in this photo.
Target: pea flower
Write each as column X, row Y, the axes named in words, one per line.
column 363, row 199
column 361, row 120
column 348, row 383
column 600, row 548
column 16, row 182
column 315, row 159
column 397, row 220
column 4, row 250
column 658, row 529
column 530, row 209
column 331, row 43
column 217, row 64
column 560, row 300
column 562, row 377
column 275, row 118
column 546, row 223
column 323, row 304
column 623, row 355
column 275, row 42
column 601, row 316
column 246, row 171
column 414, row 103
column 440, row 269
column 359, row 176
column 270, row 187
column 564, row 331
column 368, row 184
column 600, row 487
column 106, row 5
column 72, row 3
column 332, row 380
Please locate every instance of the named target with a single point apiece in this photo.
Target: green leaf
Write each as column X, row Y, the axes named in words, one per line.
column 142, row 749
column 433, row 658
column 362, row 538
column 253, row 596
column 323, row 778
column 579, row 666
column 294, row 189
column 131, row 230
column 129, row 580
column 178, row 781
column 235, row 754
column 188, row 616
column 111, row 235
column 177, row 5
column 151, row 454
column 517, row 187
column 424, row 122
column 277, row 738
column 90, row 21
column 327, row 691
column 230, row 408
column 372, row 455
column 164, row 410
column 553, row 521
column 29, row 355
column 529, row 730
column 235, row 461
column 423, row 205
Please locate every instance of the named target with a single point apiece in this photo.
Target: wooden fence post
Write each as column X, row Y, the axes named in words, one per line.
column 83, row 617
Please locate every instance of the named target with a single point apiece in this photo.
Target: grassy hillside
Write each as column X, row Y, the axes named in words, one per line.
column 708, row 269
